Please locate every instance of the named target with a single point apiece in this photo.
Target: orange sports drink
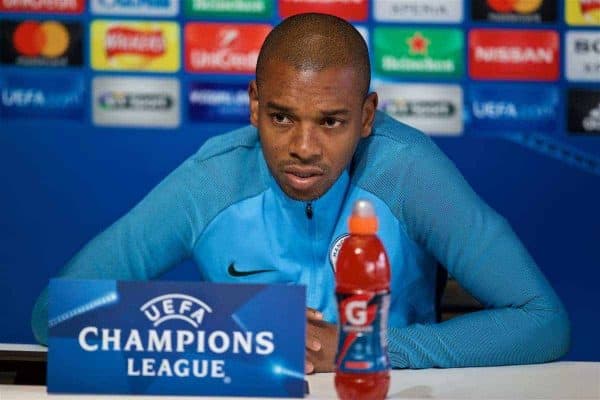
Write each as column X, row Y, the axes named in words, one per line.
column 363, row 295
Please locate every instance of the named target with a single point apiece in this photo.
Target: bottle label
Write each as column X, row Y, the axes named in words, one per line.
column 362, row 345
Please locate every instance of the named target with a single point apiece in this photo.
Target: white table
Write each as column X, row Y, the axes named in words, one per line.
column 562, row 380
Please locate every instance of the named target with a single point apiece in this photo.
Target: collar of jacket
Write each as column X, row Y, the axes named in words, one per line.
column 326, row 209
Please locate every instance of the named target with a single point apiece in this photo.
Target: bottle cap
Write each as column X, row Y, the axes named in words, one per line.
column 363, row 220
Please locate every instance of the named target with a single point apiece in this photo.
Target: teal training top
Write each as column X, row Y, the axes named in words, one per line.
column 223, row 208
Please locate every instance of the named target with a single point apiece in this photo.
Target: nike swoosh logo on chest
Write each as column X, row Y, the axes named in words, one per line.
column 236, row 273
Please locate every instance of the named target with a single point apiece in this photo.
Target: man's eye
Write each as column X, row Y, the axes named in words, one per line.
column 280, row 119
column 331, row 123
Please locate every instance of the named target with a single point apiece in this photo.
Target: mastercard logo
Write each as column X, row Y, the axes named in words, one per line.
column 48, row 39
column 518, row 6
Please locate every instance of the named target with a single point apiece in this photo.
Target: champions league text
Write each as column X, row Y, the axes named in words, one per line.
column 181, row 341
column 190, row 310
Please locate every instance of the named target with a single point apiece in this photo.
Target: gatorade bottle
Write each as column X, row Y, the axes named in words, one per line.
column 363, row 295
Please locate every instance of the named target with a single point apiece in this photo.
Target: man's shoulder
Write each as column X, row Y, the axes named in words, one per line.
column 237, row 143
column 388, row 131
column 392, row 142
column 224, row 164
column 396, row 161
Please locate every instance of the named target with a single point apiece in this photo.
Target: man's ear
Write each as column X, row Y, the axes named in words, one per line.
column 253, row 95
column 368, row 114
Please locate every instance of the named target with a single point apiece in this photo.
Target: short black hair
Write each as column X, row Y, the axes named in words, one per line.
column 316, row 41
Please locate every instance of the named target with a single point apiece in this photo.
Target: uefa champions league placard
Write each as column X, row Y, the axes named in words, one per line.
column 176, row 338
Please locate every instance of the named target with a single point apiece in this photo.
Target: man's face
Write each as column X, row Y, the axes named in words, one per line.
column 309, row 124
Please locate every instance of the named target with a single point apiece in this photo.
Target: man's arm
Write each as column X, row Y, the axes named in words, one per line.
column 524, row 321
column 156, row 234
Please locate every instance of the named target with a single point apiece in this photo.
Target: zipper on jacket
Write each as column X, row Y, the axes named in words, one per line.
column 309, row 210
column 312, row 289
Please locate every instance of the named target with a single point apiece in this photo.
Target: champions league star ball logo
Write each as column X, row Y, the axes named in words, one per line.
column 181, row 352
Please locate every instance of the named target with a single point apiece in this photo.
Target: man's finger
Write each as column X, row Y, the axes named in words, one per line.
column 313, row 314
column 308, row 367
column 313, row 344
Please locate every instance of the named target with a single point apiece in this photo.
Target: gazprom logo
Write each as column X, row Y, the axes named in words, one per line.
column 136, row 7
column 175, row 306
column 135, row 3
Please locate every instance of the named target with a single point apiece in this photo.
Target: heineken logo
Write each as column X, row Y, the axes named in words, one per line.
column 418, row 44
column 217, row 48
column 426, row 65
column 418, row 53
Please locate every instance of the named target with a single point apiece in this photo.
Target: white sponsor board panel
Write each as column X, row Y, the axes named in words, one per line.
column 434, row 109
column 434, row 11
column 141, row 102
column 583, row 55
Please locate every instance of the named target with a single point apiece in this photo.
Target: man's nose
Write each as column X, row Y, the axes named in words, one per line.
column 305, row 144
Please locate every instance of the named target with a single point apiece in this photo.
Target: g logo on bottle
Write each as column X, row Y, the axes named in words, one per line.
column 356, row 312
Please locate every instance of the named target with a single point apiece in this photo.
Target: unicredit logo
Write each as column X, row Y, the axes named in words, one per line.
column 225, row 57
column 123, row 40
column 223, row 48
column 513, row 54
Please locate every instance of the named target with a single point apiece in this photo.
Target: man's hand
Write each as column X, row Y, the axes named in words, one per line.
column 321, row 343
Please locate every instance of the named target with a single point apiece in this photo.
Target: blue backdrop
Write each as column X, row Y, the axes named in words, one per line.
column 64, row 180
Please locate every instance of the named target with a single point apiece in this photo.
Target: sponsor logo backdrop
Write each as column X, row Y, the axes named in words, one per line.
column 100, row 99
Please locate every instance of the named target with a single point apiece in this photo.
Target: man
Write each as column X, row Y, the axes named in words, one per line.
column 269, row 203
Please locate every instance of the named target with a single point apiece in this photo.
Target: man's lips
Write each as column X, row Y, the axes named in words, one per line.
column 302, row 178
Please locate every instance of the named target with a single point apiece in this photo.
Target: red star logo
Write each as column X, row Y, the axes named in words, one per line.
column 417, row 44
